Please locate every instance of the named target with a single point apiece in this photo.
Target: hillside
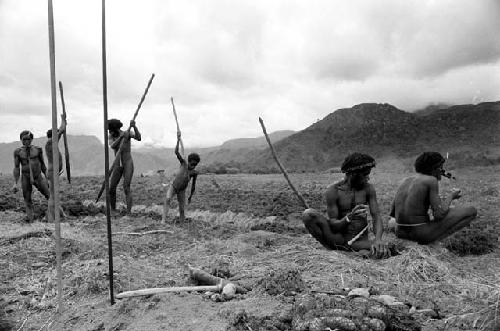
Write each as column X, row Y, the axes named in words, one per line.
column 469, row 132
column 87, row 154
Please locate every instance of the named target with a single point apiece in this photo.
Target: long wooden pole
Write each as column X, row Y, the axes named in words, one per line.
column 65, row 138
column 116, row 161
column 177, row 122
column 106, row 154
column 160, row 290
column 301, row 198
column 55, row 155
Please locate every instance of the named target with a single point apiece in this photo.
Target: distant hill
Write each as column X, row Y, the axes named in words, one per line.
column 87, row 154
column 384, row 131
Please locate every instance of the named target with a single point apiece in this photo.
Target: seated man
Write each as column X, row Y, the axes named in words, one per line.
column 414, row 197
column 347, row 204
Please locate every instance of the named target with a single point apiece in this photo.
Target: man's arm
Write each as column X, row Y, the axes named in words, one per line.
column 193, row 186
column 392, row 213
column 16, row 171
column 42, row 162
column 116, row 143
column 332, row 210
column 62, row 128
column 378, row 227
column 179, row 156
column 137, row 135
column 439, row 207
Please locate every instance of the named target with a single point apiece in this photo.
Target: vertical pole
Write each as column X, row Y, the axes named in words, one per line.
column 106, row 153
column 55, row 155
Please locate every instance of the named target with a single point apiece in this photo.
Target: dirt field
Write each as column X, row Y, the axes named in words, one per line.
column 245, row 228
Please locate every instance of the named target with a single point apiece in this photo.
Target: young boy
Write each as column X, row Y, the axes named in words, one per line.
column 179, row 184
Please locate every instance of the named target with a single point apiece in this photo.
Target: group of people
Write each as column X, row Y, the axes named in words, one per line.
column 29, row 165
column 419, row 212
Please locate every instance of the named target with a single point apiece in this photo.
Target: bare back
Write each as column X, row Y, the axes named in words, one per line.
column 413, row 199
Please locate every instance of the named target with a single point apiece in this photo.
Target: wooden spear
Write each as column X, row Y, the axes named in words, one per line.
column 177, row 122
column 65, row 138
column 299, row 196
column 116, row 162
column 55, row 154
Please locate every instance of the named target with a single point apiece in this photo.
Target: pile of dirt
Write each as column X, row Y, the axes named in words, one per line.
column 286, row 281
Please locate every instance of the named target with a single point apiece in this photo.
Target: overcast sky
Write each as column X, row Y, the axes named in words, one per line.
column 228, row 62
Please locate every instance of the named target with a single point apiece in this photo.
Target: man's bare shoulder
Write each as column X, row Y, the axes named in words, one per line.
column 334, row 187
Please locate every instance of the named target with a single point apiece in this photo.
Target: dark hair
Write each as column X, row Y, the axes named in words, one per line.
column 49, row 133
column 357, row 162
column 428, row 161
column 25, row 132
column 114, row 124
column 194, row 157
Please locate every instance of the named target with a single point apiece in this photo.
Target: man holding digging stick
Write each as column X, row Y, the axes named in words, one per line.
column 125, row 166
column 28, row 160
column 48, row 151
column 348, row 203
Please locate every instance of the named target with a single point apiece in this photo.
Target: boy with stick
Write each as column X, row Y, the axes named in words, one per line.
column 179, row 184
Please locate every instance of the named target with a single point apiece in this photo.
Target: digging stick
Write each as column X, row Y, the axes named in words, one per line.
column 55, row 155
column 143, row 233
column 301, row 198
column 65, row 138
column 177, row 122
column 160, row 290
column 116, row 162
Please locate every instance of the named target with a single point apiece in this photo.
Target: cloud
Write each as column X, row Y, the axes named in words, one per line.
column 226, row 63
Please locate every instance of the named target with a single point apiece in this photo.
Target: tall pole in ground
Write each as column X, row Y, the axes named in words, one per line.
column 106, row 153
column 54, row 192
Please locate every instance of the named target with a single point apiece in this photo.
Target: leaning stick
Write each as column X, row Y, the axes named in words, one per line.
column 160, row 290
column 66, row 150
column 356, row 237
column 118, row 153
column 301, row 198
column 178, row 128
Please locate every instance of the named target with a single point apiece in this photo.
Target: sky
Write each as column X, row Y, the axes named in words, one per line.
column 227, row 62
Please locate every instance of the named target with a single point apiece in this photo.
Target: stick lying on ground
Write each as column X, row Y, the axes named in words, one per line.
column 204, row 278
column 143, row 233
column 160, row 290
column 118, row 153
column 301, row 198
column 66, row 149
column 178, row 128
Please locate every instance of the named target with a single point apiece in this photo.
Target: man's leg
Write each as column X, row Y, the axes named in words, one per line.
column 318, row 227
column 166, row 203
column 128, row 172
column 456, row 219
column 27, row 189
column 116, row 175
column 181, row 198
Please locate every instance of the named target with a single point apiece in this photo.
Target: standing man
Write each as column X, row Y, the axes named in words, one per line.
column 419, row 194
column 348, row 203
column 126, row 164
column 48, row 151
column 29, row 165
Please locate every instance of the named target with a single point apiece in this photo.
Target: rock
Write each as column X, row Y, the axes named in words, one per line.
column 427, row 312
column 229, row 291
column 38, row 264
column 376, row 325
column 360, row 291
column 385, row 299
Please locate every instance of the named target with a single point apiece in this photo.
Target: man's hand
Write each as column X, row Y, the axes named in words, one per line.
column 359, row 210
column 15, row 188
column 456, row 194
column 380, row 249
column 132, row 123
column 63, row 117
column 178, row 135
